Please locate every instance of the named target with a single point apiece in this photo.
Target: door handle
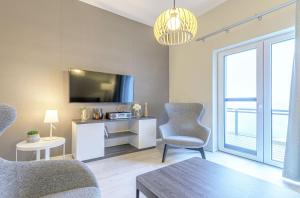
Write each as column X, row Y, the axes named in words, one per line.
column 259, row 106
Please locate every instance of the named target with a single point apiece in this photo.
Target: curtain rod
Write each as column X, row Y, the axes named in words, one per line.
column 247, row 20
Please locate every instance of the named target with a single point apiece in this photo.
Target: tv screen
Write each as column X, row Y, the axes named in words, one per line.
column 88, row 86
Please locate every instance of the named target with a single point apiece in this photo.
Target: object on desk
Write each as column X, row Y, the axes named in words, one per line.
column 137, row 110
column 33, row 136
column 101, row 114
column 118, row 115
column 146, row 110
column 97, row 114
column 84, row 114
column 51, row 117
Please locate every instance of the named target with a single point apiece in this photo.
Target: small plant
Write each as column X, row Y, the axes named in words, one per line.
column 33, row 136
column 32, row 132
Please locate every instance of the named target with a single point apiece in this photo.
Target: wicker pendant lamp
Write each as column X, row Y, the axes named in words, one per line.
column 175, row 26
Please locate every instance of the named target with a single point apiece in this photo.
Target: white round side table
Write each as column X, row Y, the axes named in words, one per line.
column 45, row 143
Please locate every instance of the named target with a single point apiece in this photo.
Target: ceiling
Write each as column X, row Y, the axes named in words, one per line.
column 146, row 11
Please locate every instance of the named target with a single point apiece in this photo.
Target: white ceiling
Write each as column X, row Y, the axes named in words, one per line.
column 146, row 11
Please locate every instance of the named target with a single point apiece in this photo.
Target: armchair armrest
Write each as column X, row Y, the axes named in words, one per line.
column 165, row 130
column 36, row 179
column 204, row 133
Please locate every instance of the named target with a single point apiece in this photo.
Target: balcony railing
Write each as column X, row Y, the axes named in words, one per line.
column 278, row 128
column 238, row 111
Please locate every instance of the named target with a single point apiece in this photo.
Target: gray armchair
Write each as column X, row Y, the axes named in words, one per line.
column 183, row 128
column 50, row 179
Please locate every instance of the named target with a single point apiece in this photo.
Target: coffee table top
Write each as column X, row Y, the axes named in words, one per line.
column 200, row 178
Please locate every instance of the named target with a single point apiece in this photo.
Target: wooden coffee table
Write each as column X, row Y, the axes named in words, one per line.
column 197, row 178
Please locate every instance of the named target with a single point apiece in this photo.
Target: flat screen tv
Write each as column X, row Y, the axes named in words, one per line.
column 95, row 87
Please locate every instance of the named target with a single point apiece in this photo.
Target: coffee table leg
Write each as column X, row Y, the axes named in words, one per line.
column 137, row 193
column 38, row 155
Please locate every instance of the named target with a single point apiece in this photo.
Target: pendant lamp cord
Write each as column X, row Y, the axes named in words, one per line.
column 174, row 4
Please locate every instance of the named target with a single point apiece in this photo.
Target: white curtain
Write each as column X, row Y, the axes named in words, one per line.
column 292, row 154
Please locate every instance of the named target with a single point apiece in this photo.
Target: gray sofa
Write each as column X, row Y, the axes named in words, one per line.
column 51, row 179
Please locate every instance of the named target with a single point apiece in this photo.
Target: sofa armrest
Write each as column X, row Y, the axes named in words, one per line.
column 88, row 192
column 36, row 179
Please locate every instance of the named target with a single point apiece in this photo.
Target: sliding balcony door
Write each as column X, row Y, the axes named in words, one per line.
column 240, row 83
column 279, row 60
column 253, row 98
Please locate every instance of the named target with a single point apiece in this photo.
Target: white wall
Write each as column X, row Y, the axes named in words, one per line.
column 41, row 39
column 191, row 64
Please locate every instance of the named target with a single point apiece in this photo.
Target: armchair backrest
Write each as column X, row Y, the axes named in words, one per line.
column 183, row 110
column 7, row 117
column 184, row 119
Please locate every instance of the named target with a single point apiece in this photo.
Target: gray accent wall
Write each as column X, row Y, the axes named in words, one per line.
column 41, row 39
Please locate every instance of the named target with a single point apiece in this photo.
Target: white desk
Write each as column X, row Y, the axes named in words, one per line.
column 44, row 144
column 88, row 141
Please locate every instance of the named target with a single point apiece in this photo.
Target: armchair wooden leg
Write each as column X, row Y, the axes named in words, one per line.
column 202, row 153
column 165, row 153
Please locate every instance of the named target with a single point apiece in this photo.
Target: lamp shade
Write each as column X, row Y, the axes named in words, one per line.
column 51, row 116
column 175, row 26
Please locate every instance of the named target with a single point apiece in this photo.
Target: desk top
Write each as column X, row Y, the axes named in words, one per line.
column 45, row 142
column 200, row 178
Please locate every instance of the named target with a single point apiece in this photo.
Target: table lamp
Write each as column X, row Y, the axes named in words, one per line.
column 51, row 117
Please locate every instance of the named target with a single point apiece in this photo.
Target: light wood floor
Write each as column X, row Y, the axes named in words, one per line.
column 116, row 176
